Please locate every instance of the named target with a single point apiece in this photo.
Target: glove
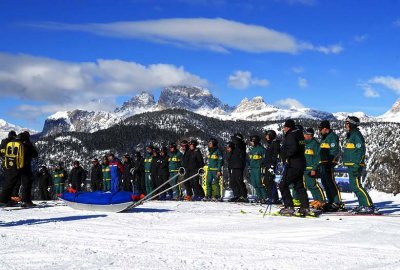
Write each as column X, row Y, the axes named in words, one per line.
column 82, row 184
column 271, row 171
column 48, row 189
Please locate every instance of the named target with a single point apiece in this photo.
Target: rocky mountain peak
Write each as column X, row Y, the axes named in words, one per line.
column 396, row 107
column 255, row 104
column 187, row 97
column 140, row 103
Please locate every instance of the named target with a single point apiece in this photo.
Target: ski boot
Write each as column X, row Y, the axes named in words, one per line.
column 366, row 210
column 287, row 211
column 242, row 199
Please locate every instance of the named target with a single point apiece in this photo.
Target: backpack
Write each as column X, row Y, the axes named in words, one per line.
column 14, row 155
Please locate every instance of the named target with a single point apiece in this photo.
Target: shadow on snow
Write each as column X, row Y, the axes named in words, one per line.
column 46, row 220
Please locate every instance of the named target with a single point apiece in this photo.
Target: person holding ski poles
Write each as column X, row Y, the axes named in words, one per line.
column 292, row 153
column 272, row 155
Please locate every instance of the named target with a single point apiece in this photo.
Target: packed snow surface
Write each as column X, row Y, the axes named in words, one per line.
column 198, row 235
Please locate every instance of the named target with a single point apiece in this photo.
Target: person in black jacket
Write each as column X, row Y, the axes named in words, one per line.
column 45, row 183
column 12, row 177
column 154, row 167
column 96, row 175
column 127, row 176
column 292, row 153
column 138, row 174
column 236, row 166
column 77, row 176
column 193, row 161
column 26, row 172
column 163, row 172
column 272, row 154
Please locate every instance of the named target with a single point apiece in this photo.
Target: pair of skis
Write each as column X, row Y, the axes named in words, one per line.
column 152, row 194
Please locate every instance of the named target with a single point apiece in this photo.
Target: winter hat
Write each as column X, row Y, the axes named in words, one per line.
column 172, row 145
column 324, row 124
column 353, row 120
column 289, row 123
column 309, row 131
column 12, row 134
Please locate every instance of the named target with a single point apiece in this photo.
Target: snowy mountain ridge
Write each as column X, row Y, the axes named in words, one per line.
column 191, row 98
column 6, row 127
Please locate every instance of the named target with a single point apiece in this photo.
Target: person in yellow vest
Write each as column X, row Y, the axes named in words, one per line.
column 311, row 154
column 59, row 178
column 329, row 153
column 215, row 162
column 353, row 159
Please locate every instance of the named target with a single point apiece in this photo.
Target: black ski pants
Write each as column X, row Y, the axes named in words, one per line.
column 12, row 178
column 293, row 176
column 193, row 186
column 236, row 182
column 270, row 186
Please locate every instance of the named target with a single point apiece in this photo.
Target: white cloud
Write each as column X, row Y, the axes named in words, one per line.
column 217, row 35
column 298, row 70
column 388, row 82
column 396, row 23
column 87, row 85
column 333, row 49
column 360, row 38
column 243, row 80
column 290, row 103
column 302, row 82
column 369, row 91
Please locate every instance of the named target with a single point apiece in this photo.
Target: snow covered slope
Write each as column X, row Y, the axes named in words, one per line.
column 197, row 235
column 144, row 102
column 6, row 127
column 393, row 115
column 79, row 121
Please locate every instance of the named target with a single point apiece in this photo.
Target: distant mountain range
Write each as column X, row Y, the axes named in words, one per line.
column 6, row 127
column 194, row 99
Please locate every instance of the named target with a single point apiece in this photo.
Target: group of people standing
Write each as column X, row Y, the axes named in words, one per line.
column 304, row 159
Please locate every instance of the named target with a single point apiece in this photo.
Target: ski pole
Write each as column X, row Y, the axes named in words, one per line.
column 200, row 172
column 181, row 172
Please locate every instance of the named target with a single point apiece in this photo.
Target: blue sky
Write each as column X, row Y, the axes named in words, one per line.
column 330, row 55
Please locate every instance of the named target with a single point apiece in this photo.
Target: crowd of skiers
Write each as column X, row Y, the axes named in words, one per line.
column 304, row 159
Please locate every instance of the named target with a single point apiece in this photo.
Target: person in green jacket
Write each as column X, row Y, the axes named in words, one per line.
column 353, row 159
column 256, row 163
column 148, row 157
column 59, row 177
column 174, row 163
column 105, row 169
column 311, row 154
column 329, row 153
column 214, row 171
